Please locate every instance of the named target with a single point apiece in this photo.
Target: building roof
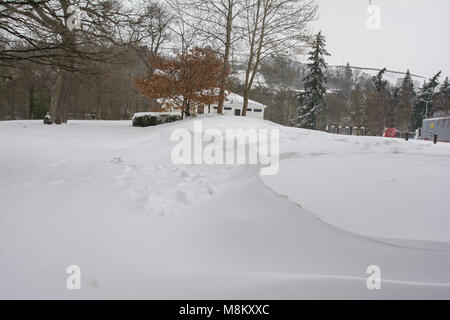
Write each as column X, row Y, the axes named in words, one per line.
column 234, row 99
column 436, row 119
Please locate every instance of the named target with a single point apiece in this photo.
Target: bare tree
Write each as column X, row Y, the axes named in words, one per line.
column 214, row 23
column 184, row 34
column 152, row 31
column 55, row 33
column 272, row 28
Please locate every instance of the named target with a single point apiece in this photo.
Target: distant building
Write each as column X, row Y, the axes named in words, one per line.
column 233, row 107
column 439, row 126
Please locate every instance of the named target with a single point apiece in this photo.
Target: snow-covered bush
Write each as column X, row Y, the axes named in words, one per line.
column 148, row 119
column 48, row 119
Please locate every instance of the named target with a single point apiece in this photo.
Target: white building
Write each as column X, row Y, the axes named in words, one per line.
column 233, row 107
column 438, row 126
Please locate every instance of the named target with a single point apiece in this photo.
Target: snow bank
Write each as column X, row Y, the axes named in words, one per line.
column 105, row 196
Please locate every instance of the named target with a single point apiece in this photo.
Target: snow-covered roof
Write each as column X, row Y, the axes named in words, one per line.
column 435, row 119
column 234, row 99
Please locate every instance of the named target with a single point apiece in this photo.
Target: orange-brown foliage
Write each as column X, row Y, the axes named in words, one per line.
column 188, row 80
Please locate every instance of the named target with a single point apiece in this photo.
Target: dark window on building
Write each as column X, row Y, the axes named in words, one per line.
column 257, row 110
column 227, row 108
column 249, row 110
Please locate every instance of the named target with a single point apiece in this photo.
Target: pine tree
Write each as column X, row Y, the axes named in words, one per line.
column 424, row 102
column 357, row 107
column 377, row 105
column 405, row 104
column 442, row 100
column 378, row 81
column 311, row 102
column 445, row 88
column 348, row 78
column 391, row 109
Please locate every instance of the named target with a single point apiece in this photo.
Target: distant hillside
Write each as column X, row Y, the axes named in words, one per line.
column 280, row 80
column 288, row 74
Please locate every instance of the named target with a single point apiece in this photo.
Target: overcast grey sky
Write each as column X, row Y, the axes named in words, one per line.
column 414, row 34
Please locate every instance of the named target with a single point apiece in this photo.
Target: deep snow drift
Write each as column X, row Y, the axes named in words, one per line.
column 105, row 196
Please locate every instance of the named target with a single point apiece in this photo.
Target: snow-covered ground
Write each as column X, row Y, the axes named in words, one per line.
column 105, row 196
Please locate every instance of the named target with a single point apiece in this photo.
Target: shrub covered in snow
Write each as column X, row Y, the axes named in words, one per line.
column 48, row 119
column 148, row 119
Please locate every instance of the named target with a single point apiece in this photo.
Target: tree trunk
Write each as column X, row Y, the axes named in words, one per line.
column 252, row 69
column 226, row 59
column 188, row 109
column 221, row 96
column 60, row 97
column 246, row 98
column 61, row 91
column 30, row 102
column 99, row 109
column 98, row 113
column 248, row 76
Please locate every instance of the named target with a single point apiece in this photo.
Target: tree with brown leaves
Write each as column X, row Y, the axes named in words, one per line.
column 184, row 82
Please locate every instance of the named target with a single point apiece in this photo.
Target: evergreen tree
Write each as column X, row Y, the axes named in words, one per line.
column 424, row 102
column 311, row 102
column 405, row 104
column 378, row 81
column 348, row 78
column 445, row 88
column 391, row 109
column 442, row 100
column 357, row 107
column 377, row 104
